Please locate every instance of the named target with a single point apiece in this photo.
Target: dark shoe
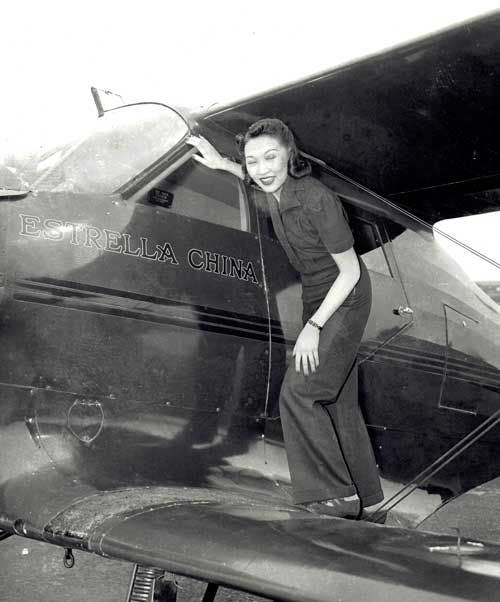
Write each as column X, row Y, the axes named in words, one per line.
column 338, row 507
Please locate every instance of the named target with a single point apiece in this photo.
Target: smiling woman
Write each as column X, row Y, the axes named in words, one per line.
column 267, row 163
column 331, row 461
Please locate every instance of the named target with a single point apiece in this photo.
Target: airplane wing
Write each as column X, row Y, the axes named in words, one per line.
column 405, row 123
column 275, row 550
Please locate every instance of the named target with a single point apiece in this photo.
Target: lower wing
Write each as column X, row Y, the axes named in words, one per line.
column 278, row 551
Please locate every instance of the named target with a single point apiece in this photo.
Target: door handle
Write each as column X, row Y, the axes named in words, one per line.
column 403, row 311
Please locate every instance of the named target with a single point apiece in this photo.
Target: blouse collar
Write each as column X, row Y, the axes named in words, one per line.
column 288, row 197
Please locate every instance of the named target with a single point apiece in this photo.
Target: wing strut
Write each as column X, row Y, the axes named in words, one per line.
column 380, row 514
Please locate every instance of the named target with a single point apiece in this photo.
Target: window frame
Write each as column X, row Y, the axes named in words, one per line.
column 246, row 215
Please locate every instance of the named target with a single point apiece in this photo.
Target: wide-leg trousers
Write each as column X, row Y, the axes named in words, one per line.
column 328, row 448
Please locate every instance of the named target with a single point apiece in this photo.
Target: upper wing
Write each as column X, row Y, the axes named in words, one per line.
column 278, row 551
column 404, row 122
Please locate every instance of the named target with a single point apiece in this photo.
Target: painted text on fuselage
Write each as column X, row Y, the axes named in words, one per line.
column 123, row 243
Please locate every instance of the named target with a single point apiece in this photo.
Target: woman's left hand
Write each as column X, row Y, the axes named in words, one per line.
column 306, row 350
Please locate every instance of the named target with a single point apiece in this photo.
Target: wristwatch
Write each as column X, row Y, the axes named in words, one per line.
column 315, row 324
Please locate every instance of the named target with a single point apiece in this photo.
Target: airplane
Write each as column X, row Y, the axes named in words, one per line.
column 147, row 314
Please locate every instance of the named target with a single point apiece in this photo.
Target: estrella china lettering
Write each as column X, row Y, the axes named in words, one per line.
column 221, row 264
column 110, row 241
column 84, row 235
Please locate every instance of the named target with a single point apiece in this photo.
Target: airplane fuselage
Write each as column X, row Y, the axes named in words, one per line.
column 142, row 347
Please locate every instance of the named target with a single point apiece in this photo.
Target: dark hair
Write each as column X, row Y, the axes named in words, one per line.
column 298, row 167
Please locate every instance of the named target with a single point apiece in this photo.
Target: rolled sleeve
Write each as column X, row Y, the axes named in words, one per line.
column 328, row 217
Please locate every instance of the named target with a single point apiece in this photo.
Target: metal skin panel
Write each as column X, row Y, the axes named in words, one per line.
column 282, row 551
column 129, row 367
column 483, row 501
column 287, row 554
column 147, row 312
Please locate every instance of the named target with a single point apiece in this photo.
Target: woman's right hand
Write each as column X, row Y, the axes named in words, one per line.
column 210, row 156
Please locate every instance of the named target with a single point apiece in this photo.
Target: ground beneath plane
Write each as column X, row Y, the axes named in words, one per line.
column 34, row 571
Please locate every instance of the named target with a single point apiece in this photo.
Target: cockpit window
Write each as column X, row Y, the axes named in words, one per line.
column 198, row 192
column 120, row 147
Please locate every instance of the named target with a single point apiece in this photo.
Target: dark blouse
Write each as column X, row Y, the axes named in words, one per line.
column 312, row 225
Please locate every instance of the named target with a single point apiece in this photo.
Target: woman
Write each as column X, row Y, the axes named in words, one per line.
column 331, row 461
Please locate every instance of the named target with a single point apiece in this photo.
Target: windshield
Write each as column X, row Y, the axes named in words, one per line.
column 119, row 147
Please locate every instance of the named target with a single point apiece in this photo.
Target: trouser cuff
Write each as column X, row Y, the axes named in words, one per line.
column 374, row 498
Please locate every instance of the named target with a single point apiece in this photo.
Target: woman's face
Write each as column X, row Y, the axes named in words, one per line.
column 266, row 160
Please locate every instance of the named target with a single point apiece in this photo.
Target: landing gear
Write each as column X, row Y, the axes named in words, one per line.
column 165, row 590
column 210, row 592
column 149, row 585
